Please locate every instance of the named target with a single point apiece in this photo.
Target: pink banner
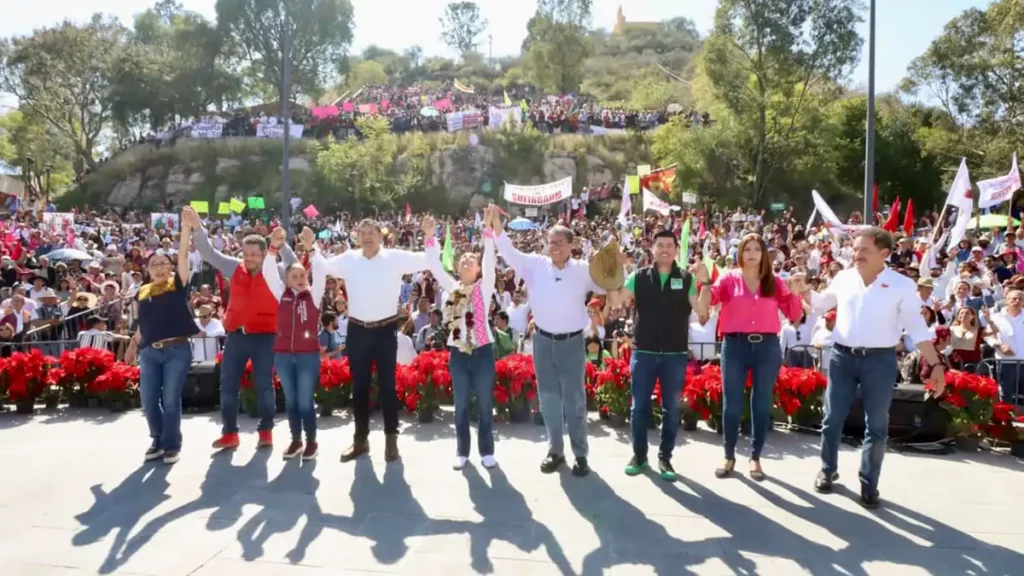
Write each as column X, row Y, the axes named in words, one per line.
column 385, row 104
column 348, row 107
column 368, row 108
column 443, row 105
column 325, row 112
column 310, row 211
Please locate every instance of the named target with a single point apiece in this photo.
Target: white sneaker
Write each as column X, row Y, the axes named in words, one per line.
column 489, row 461
column 460, row 462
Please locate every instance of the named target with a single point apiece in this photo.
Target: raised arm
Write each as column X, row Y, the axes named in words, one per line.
column 433, row 252
column 186, row 234
column 270, row 273
column 226, row 265
column 489, row 264
column 411, row 262
column 288, row 258
column 318, row 264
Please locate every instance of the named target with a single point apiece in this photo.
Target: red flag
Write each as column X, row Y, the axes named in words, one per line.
column 702, row 231
column 408, row 212
column 659, row 180
column 874, row 200
column 893, row 223
column 908, row 220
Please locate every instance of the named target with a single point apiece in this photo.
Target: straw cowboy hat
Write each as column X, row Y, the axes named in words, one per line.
column 91, row 299
column 605, row 269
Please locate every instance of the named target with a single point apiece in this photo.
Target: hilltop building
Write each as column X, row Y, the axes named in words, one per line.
column 621, row 26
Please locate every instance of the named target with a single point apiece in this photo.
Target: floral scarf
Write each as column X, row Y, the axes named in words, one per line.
column 456, row 307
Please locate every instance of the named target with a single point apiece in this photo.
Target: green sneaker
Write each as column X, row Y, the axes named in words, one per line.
column 635, row 466
column 667, row 471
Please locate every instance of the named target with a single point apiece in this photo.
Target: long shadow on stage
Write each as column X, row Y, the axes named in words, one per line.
column 704, row 527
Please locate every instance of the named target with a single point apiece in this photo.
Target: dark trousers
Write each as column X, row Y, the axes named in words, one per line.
column 240, row 349
column 366, row 346
column 875, row 375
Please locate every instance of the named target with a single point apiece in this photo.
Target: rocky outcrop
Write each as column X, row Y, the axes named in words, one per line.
column 468, row 176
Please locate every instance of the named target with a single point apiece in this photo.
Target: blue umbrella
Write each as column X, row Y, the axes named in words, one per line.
column 521, row 224
column 67, row 254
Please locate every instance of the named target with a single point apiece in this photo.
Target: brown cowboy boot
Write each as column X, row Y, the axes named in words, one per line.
column 391, row 448
column 360, row 446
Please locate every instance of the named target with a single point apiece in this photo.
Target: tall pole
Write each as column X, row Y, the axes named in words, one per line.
column 286, row 115
column 869, row 155
column 490, row 50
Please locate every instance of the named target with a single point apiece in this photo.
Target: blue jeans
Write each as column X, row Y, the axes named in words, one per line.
column 473, row 373
column 162, row 378
column 1011, row 381
column 299, row 374
column 645, row 369
column 560, row 366
column 239, row 349
column 876, row 374
column 762, row 360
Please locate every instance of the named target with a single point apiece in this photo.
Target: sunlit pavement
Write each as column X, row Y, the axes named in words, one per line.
column 75, row 498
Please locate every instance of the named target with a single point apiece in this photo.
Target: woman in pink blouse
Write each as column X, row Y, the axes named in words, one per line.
column 751, row 297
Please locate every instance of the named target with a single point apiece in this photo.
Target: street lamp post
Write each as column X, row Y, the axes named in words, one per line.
column 869, row 152
column 47, row 169
column 286, row 191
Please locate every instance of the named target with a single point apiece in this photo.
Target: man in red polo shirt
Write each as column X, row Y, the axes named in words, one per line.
column 251, row 326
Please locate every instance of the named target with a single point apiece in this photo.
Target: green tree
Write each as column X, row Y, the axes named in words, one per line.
column 415, row 55
column 769, row 63
column 320, row 32
column 362, row 171
column 367, row 72
column 461, row 25
column 556, row 55
column 173, row 67
column 63, row 75
column 24, row 137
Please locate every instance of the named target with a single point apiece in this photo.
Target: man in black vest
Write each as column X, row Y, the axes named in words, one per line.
column 665, row 295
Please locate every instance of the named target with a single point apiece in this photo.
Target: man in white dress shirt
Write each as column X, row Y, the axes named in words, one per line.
column 873, row 305
column 557, row 287
column 373, row 278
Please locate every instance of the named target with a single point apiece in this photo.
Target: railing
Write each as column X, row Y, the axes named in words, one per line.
column 1008, row 373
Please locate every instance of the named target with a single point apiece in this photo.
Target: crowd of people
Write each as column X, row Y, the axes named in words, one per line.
column 757, row 290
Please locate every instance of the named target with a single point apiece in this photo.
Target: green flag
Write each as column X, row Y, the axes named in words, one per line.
column 711, row 266
column 256, row 203
column 448, row 253
column 684, row 245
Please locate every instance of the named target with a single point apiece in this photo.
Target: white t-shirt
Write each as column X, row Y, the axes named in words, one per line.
column 406, row 351
column 518, row 317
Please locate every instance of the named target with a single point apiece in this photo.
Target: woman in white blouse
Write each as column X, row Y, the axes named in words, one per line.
column 470, row 341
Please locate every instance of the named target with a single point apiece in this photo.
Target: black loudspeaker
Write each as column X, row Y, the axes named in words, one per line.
column 911, row 416
column 202, row 388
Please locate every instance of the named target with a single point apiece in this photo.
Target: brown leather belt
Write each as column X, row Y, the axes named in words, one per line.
column 375, row 323
column 169, row 342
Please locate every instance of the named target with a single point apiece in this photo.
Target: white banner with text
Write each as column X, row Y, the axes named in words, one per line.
column 541, row 194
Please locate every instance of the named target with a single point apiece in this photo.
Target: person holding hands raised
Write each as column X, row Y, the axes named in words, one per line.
column 297, row 347
column 162, row 346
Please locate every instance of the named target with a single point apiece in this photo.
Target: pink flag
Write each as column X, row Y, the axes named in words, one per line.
column 385, row 104
column 310, row 211
column 348, row 107
column 408, row 213
column 702, row 231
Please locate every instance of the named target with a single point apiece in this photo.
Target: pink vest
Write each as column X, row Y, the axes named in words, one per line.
column 298, row 324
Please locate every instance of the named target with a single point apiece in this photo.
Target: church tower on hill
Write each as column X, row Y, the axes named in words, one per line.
column 621, row 26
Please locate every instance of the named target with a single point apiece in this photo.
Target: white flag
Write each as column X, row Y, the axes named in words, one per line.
column 998, row 190
column 652, row 202
column 959, row 204
column 832, row 222
column 625, row 207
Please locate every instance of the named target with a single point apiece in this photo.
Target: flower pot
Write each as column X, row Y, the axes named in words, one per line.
column 538, row 418
column 690, row 420
column 617, row 420
column 24, row 407
column 1017, row 449
column 806, row 422
column 591, row 404
column 117, row 406
column 715, row 424
column 603, row 414
column 51, row 402
column 425, row 416
column 77, row 401
column 326, row 410
column 519, row 413
column 968, row 443
column 93, row 402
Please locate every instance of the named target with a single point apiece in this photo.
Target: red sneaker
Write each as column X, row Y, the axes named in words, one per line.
column 310, row 452
column 266, row 439
column 293, row 450
column 226, row 442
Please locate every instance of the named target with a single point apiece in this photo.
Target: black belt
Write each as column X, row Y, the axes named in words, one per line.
column 562, row 336
column 375, row 323
column 752, row 337
column 864, row 351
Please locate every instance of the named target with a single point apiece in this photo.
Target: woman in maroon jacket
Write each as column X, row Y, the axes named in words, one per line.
column 297, row 348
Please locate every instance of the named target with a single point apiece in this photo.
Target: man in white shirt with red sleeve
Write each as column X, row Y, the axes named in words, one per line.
column 874, row 304
column 373, row 278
